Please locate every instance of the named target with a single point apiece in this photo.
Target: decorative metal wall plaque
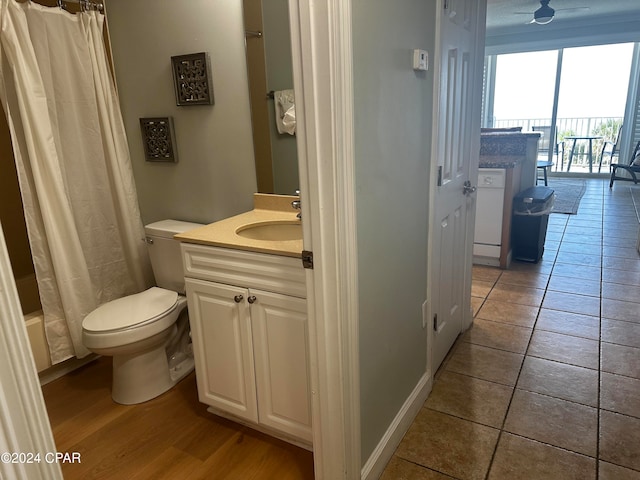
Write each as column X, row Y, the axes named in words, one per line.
column 158, row 139
column 192, row 79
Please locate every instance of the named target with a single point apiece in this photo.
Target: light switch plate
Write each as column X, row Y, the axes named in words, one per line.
column 420, row 60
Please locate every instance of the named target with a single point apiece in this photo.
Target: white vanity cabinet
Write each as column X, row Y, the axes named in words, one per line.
column 249, row 329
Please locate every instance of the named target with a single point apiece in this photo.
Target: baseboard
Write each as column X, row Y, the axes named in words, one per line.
column 383, row 452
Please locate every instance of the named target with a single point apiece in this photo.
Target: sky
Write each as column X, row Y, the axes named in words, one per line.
column 594, row 83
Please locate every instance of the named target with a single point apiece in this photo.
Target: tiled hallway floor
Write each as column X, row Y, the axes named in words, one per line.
column 546, row 384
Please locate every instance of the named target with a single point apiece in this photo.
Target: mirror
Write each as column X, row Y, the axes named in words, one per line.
column 269, row 67
column 217, row 144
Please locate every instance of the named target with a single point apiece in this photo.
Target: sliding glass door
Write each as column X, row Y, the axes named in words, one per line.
column 591, row 102
column 575, row 96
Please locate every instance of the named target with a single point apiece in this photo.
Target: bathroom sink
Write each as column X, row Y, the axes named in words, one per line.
column 281, row 230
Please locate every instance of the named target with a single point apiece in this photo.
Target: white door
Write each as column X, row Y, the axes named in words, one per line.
column 452, row 233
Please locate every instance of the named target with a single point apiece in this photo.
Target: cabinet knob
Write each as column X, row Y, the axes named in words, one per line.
column 238, row 298
column 252, row 299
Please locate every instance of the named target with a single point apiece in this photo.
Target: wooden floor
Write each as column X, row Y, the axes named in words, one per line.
column 172, row 436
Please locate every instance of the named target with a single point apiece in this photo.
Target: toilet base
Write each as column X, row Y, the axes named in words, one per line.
column 144, row 366
column 144, row 376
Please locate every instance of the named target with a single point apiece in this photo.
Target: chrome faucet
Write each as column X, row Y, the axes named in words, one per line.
column 296, row 204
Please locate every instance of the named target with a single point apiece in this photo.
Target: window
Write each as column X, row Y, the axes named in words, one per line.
column 582, row 91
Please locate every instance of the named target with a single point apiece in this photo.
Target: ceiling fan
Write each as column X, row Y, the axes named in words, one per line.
column 545, row 13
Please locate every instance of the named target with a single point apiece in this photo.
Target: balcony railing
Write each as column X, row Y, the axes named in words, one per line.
column 580, row 126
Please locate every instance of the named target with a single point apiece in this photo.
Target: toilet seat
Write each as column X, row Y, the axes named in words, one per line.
column 131, row 312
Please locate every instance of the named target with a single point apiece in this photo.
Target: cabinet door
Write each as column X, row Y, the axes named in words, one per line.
column 280, row 346
column 221, row 333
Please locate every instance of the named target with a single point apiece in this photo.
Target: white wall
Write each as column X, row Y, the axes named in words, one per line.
column 393, row 121
column 215, row 175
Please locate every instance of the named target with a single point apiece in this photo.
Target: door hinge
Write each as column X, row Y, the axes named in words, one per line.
column 440, row 176
column 435, row 322
column 307, row 259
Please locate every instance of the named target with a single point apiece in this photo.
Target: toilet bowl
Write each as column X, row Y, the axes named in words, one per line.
column 147, row 333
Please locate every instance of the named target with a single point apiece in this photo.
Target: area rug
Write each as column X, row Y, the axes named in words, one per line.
column 568, row 193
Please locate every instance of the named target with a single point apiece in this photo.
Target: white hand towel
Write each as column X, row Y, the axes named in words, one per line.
column 285, row 108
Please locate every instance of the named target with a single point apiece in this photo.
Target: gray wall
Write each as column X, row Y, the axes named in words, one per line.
column 215, row 175
column 393, row 118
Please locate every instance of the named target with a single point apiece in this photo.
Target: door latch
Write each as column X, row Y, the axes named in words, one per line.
column 435, row 322
column 467, row 189
column 307, row 259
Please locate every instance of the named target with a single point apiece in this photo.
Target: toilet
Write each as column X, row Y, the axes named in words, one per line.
column 147, row 333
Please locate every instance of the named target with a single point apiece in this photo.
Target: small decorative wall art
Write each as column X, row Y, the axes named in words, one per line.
column 192, row 79
column 158, row 139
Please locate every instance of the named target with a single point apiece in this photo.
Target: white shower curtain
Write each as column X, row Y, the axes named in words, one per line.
column 73, row 165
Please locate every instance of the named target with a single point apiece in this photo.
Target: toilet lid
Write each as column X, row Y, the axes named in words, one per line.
column 132, row 310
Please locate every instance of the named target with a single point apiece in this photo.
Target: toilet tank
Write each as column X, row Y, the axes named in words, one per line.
column 164, row 251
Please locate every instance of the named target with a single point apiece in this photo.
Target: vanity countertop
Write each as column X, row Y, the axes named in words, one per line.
column 267, row 208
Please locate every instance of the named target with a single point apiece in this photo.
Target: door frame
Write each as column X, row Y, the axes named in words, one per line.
column 322, row 64
column 476, row 115
column 24, row 423
column 322, row 71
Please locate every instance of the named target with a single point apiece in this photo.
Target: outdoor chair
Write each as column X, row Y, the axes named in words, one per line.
column 633, row 169
column 543, row 144
column 615, row 149
column 543, row 166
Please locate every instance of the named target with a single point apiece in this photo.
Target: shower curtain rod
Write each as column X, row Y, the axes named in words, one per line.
column 84, row 5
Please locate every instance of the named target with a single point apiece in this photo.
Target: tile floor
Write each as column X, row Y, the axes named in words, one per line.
column 546, row 384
